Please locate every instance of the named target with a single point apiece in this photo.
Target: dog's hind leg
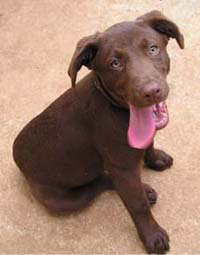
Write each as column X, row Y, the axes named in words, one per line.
column 60, row 200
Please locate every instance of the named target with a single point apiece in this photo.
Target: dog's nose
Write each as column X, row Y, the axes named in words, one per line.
column 151, row 92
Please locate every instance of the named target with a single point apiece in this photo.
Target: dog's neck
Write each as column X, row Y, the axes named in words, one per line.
column 100, row 86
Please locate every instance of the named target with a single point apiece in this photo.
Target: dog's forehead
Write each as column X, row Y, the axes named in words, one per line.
column 128, row 33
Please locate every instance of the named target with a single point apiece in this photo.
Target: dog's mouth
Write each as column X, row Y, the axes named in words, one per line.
column 143, row 123
column 160, row 115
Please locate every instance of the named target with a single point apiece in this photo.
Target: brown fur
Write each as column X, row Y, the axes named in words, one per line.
column 77, row 147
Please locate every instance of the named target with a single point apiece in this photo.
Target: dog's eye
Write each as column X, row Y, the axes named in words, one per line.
column 153, row 50
column 115, row 64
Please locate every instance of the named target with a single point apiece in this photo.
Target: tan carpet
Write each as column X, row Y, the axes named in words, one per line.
column 37, row 39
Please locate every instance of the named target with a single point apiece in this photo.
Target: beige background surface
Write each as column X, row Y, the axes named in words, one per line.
column 37, row 39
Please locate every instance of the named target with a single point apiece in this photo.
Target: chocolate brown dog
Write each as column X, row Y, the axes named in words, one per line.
column 96, row 135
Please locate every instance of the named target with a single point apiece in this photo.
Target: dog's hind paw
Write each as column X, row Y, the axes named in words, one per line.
column 150, row 193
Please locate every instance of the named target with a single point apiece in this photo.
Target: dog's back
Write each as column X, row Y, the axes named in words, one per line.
column 59, row 140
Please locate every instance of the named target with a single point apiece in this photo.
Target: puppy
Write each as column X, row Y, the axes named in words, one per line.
column 96, row 135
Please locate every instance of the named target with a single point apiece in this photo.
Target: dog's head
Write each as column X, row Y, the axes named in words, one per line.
column 131, row 62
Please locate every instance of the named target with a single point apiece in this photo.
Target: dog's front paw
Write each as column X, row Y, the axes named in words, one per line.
column 157, row 242
column 160, row 161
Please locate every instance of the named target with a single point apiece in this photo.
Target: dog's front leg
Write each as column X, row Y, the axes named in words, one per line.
column 157, row 159
column 131, row 190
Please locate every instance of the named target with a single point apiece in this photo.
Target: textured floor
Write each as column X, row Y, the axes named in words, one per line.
column 37, row 39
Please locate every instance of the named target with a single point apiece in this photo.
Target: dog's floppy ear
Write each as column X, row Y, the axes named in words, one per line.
column 162, row 24
column 84, row 55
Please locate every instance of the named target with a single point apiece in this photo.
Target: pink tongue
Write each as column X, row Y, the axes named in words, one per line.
column 142, row 128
